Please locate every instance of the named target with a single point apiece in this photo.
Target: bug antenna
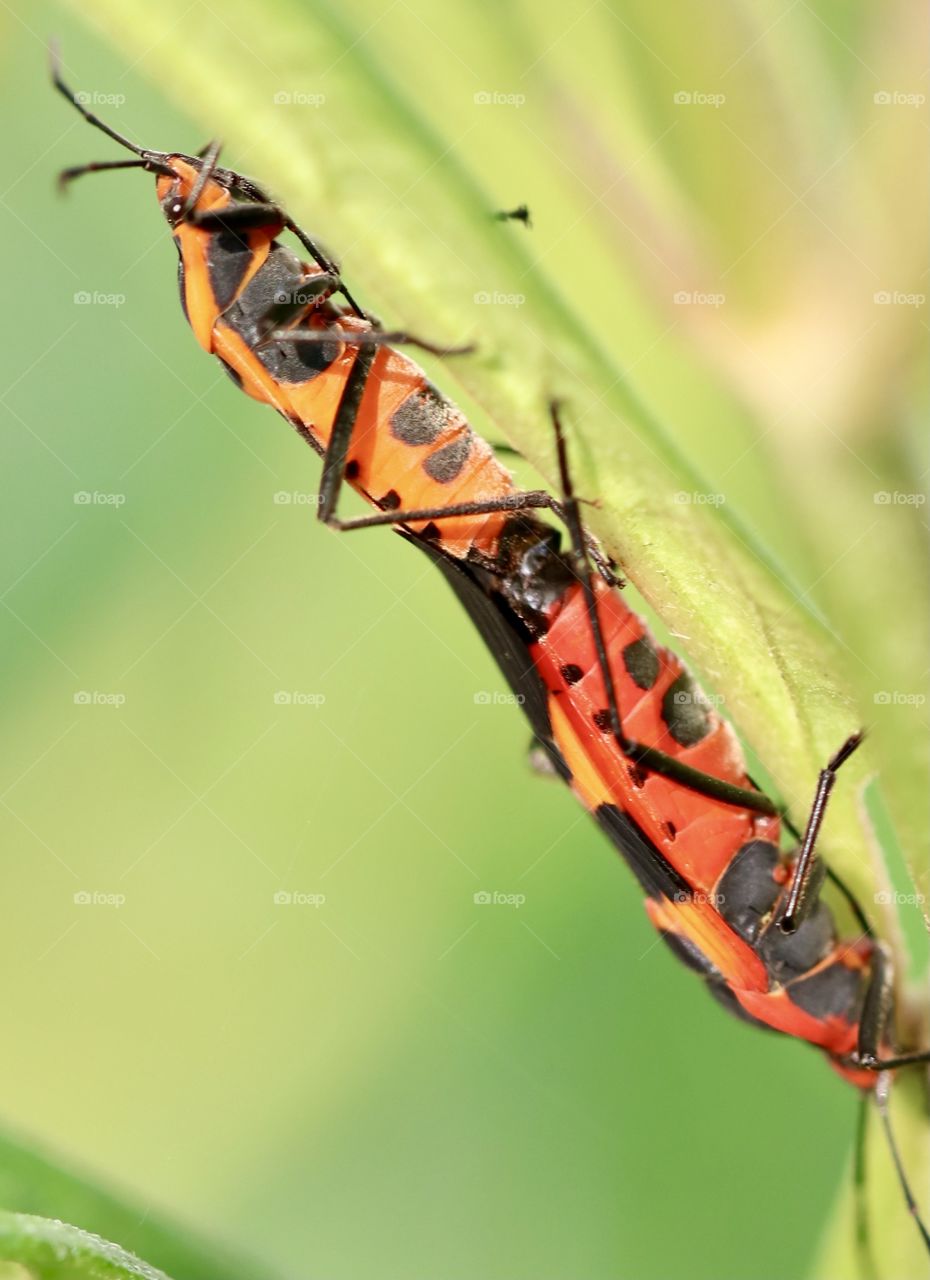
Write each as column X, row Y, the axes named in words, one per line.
column 75, row 100
column 882, row 1090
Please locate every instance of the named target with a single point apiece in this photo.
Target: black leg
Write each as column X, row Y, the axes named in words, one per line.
column 321, row 259
column 882, row 1088
column 860, row 1202
column 532, row 499
column 337, row 450
column 367, row 338
column 649, row 757
column 311, row 292
column 802, row 889
column 210, row 158
column 239, row 216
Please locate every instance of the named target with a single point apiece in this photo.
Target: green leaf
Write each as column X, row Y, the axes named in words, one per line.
column 43, row 1249
column 36, row 1185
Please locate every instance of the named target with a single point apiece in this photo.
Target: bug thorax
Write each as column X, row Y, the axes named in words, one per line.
column 537, row 570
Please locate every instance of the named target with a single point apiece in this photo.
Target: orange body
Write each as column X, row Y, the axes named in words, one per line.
column 411, row 448
column 697, row 835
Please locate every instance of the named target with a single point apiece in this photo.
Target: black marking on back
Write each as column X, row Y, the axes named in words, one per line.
column 228, row 256
column 571, row 673
column 637, row 775
column 446, row 464
column 655, row 873
column 642, row 663
column 747, row 891
column 685, row 712
column 279, row 276
column 602, row 720
column 834, row 991
column 422, row 417
column 537, row 572
column 789, row 955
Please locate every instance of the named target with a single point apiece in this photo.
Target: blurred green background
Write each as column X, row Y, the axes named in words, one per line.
column 395, row 1081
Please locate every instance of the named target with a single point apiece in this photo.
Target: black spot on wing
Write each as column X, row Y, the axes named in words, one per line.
column 228, row 256
column 642, row 663
column 352, row 469
column 421, row 418
column 602, row 720
column 834, row 991
column 747, row 892
column 390, row 501
column 571, row 673
column 789, row 955
column 280, row 276
column 685, row 712
column 446, row 464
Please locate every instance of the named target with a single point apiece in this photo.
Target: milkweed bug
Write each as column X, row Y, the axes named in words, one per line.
column 747, row 915
column 614, row 714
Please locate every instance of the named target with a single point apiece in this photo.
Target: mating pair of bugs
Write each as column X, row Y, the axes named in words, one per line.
column 614, row 714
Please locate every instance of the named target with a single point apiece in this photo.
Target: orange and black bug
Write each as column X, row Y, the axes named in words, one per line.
column 337, row 378
column 731, row 903
column 616, row 716
column 366, row 408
